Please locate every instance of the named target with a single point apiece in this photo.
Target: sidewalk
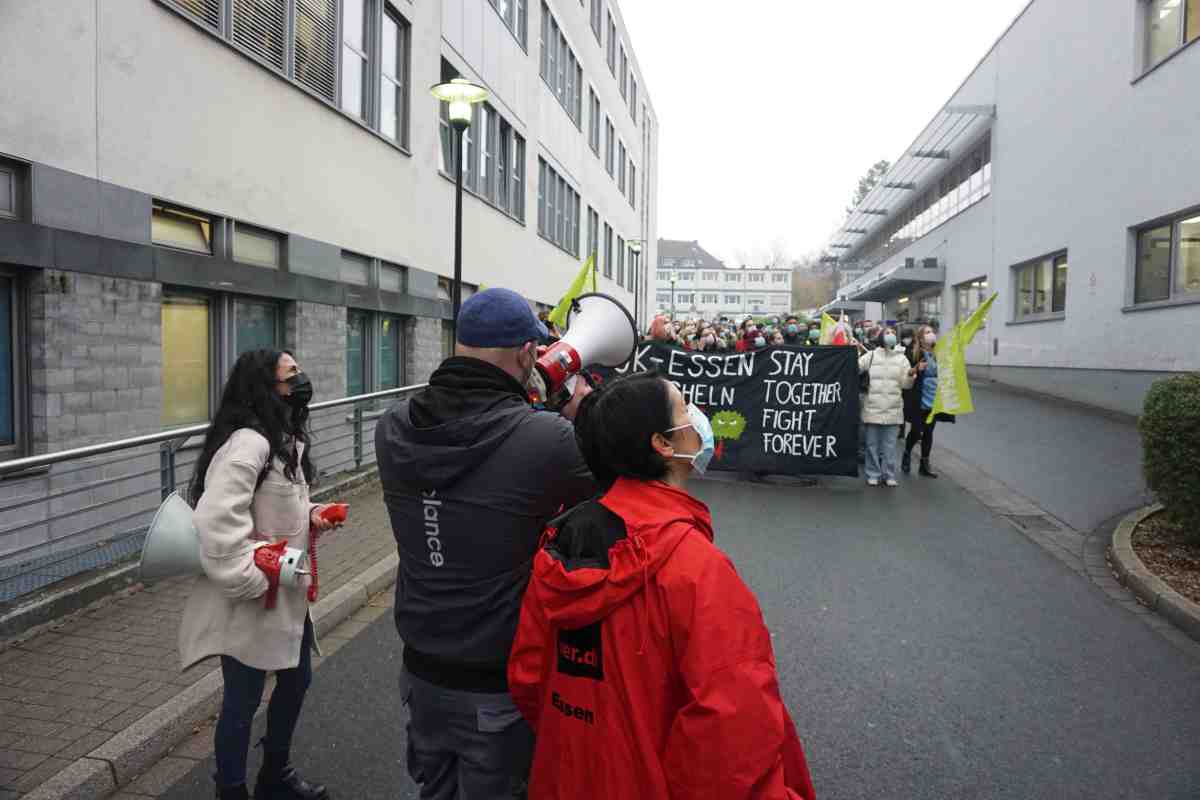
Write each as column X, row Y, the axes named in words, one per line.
column 75, row 691
column 1082, row 466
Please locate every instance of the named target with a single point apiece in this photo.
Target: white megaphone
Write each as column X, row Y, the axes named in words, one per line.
column 600, row 332
column 172, row 547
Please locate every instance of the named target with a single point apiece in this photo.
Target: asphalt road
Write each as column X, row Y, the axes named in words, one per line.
column 925, row 648
column 1082, row 466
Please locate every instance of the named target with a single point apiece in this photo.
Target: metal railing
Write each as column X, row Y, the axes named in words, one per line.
column 76, row 510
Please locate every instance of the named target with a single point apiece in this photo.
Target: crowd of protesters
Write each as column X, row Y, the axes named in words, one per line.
column 896, row 398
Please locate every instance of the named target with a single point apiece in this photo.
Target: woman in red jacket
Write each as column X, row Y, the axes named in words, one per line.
column 641, row 659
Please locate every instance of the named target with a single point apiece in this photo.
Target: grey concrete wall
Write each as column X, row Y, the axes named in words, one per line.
column 423, row 348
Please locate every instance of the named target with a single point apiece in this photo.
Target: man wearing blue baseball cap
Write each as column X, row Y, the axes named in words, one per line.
column 471, row 473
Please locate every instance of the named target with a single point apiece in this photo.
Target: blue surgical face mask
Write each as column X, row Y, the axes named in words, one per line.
column 889, row 339
column 699, row 423
column 814, row 335
column 792, row 329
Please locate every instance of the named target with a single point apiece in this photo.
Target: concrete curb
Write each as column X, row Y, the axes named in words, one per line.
column 52, row 606
column 1149, row 588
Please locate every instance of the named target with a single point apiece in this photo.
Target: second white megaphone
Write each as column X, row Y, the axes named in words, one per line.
column 172, row 546
column 600, row 332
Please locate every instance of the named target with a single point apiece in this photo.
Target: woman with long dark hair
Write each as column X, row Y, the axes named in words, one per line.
column 641, row 659
column 250, row 491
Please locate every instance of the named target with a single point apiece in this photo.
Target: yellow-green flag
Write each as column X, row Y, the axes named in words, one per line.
column 578, row 286
column 828, row 325
column 953, row 389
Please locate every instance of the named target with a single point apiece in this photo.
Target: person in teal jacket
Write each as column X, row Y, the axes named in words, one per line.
column 919, row 401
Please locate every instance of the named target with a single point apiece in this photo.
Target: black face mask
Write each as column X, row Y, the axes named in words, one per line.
column 302, row 391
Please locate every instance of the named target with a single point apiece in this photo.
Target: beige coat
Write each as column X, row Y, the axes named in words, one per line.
column 225, row 614
column 884, row 405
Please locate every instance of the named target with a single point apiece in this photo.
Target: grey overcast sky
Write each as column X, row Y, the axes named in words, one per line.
column 770, row 111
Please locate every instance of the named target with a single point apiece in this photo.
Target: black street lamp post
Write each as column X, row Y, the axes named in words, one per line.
column 462, row 95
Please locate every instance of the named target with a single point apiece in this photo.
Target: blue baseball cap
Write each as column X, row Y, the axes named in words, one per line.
column 498, row 318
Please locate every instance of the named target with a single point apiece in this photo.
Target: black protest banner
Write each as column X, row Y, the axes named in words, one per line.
column 779, row 410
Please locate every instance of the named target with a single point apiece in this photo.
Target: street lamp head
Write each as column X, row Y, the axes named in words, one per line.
column 635, row 245
column 461, row 94
column 674, row 276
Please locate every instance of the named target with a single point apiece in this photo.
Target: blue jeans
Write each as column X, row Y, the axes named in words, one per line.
column 881, row 452
column 243, row 692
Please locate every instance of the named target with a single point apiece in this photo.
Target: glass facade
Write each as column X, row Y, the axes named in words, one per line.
column 356, row 353
column 257, row 326
column 186, row 360
column 8, row 432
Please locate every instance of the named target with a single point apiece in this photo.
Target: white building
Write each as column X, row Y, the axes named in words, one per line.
column 241, row 173
column 1062, row 174
column 704, row 287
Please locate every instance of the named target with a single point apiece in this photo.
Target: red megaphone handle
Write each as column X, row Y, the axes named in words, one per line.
column 268, row 560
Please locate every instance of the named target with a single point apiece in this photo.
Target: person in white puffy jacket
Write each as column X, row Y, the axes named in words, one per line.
column 883, row 410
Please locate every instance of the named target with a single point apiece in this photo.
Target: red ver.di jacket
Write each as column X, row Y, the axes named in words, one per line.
column 643, row 663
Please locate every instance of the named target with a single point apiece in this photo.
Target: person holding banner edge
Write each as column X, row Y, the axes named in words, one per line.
column 920, row 400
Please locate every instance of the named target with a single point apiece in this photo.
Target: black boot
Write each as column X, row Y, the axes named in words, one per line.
column 233, row 793
column 278, row 780
column 906, row 462
column 925, row 469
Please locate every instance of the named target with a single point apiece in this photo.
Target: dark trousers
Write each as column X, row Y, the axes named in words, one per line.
column 465, row 745
column 922, row 432
column 243, row 692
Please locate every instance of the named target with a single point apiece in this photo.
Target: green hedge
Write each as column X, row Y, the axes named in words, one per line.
column 1170, row 428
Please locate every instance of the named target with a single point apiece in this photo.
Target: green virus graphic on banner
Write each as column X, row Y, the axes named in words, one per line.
column 727, row 426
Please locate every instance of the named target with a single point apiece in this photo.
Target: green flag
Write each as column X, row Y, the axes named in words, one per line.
column 578, row 286
column 953, row 390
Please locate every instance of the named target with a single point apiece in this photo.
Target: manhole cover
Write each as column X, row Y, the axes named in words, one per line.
column 1032, row 522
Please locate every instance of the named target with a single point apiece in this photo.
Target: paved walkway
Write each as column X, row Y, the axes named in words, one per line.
column 67, row 691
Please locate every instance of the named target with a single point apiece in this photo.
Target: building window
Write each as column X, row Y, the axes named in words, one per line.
column 754, row 278
column 620, row 261
column 709, row 276
column 354, row 58
column 733, row 277
column 608, row 250
column 356, row 352
column 391, row 354
column 186, row 359
column 593, row 234
column 392, row 278
column 633, row 98
column 779, row 277
column 1168, row 261
column 1041, row 287
column 393, row 106
column 256, row 326
column 596, row 19
column 663, row 275
column 663, row 298
column 594, row 121
column 687, row 276
column 684, row 298
column 632, row 185
column 610, row 149
column 733, row 300
column 316, row 46
column 10, row 190
column 612, row 45
column 970, row 296
column 515, row 17
column 355, row 269
column 709, row 299
column 623, row 78
column 493, row 157
column 258, row 27
column 184, row 230
column 930, row 309
column 206, row 12
column 621, row 167
column 257, row 246
column 560, row 69
column 558, row 209
column 1170, row 24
